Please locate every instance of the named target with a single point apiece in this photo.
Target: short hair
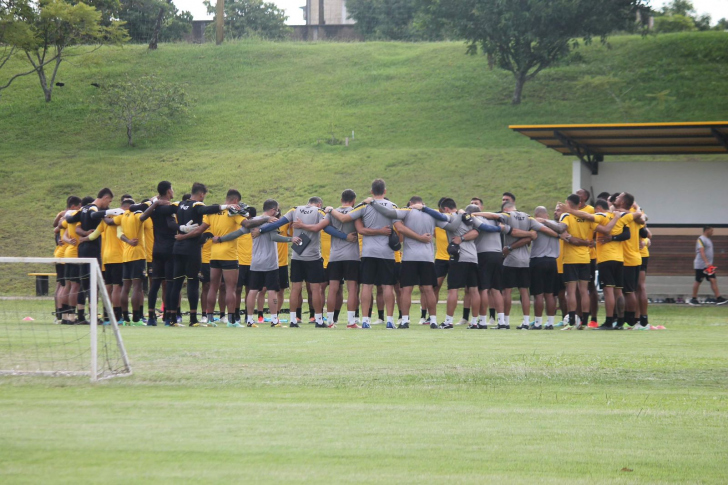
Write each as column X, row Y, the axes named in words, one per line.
column 128, row 201
column 574, row 199
column 470, row 208
column 604, row 204
column 378, row 187
column 146, row 200
column 315, row 200
column 415, row 199
column 613, row 197
column 252, row 212
column 348, row 196
column 540, row 210
column 126, row 196
column 628, row 199
column 186, row 197
column 198, row 188
column 478, row 199
column 87, row 200
column 449, row 203
column 72, row 200
column 603, row 195
column 508, row 194
column 707, row 228
column 233, row 194
column 163, row 187
column 270, row 204
column 439, row 202
column 508, row 205
column 588, row 194
column 104, row 192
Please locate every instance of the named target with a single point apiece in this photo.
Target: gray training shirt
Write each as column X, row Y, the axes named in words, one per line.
column 265, row 251
column 421, row 223
column 375, row 246
column 707, row 245
column 519, row 257
column 341, row 249
column 456, row 227
column 307, row 214
column 489, row 242
column 545, row 246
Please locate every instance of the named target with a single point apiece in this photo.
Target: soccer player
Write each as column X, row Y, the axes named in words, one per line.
column 704, row 269
column 645, row 241
column 285, row 230
column 308, row 265
column 417, row 225
column 544, row 272
column 584, row 196
column 88, row 219
column 245, row 259
column 377, row 262
column 442, row 263
column 112, row 253
column 186, row 250
column 632, row 260
column 490, row 268
column 66, row 316
column 224, row 256
column 130, row 230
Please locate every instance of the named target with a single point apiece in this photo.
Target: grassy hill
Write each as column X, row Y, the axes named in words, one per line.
column 428, row 118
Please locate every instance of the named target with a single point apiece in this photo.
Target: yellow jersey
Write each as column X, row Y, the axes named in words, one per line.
column 206, row 252
column 220, row 225
column 560, row 259
column 132, row 228
column 611, row 251
column 70, row 231
column 592, row 251
column 149, row 238
column 441, row 244
column 112, row 248
column 631, row 247
column 325, row 247
column 245, row 250
column 60, row 249
column 284, row 230
column 645, row 251
column 581, row 229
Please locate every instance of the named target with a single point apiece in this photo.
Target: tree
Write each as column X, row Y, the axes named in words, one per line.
column 47, row 31
column 142, row 105
column 394, row 20
column 245, row 18
column 527, row 36
column 680, row 16
column 148, row 21
column 722, row 25
column 674, row 23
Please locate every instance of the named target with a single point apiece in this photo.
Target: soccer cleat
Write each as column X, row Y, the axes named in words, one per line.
column 473, row 326
column 446, row 326
column 320, row 325
column 720, row 301
column 261, row 319
column 463, row 321
column 143, row 319
column 390, row 326
column 660, row 327
column 567, row 327
column 605, row 326
column 560, row 324
column 250, row 325
column 423, row 321
column 311, row 320
column 548, row 327
column 176, row 324
column 236, row 325
column 274, row 325
column 535, row 327
column 433, row 325
column 196, row 324
column 353, row 325
column 223, row 320
column 482, row 327
column 152, row 322
column 203, row 320
column 502, row 327
column 212, row 324
column 522, row 326
column 640, row 327
column 403, row 325
column 138, row 324
column 366, row 325
column 82, row 322
column 294, row 325
column 378, row 321
column 333, row 325
column 693, row 302
column 593, row 324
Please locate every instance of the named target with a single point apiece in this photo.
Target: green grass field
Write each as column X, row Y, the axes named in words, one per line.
column 266, row 405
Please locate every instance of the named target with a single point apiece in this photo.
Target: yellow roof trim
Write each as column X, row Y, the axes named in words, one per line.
column 621, row 125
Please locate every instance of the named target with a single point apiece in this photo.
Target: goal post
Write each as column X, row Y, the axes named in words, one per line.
column 34, row 343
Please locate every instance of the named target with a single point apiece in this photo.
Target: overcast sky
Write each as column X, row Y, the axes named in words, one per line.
column 717, row 9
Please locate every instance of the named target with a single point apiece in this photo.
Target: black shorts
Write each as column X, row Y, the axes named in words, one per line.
column 700, row 276
column 645, row 261
column 593, row 270
column 490, row 266
column 559, row 284
column 60, row 274
column 417, row 273
column 163, row 267
column 264, row 279
column 310, row 271
column 611, row 274
column 114, row 273
column 70, row 272
column 188, row 266
column 543, row 275
column 150, row 269
column 441, row 267
column 282, row 276
column 204, row 274
column 576, row 272
column 631, row 278
column 134, row 270
column 224, row 264
column 397, row 271
column 462, row 275
column 377, row 271
column 84, row 271
column 516, row 277
column 344, row 270
column 243, row 275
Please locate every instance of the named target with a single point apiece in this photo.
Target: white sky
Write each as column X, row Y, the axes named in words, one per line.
column 717, row 9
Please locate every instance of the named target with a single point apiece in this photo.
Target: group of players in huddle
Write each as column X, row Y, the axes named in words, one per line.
column 238, row 254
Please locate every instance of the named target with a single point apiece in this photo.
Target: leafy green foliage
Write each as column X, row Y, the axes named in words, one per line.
column 141, row 15
column 395, row 20
column 250, row 18
column 142, row 106
column 527, row 36
column 674, row 23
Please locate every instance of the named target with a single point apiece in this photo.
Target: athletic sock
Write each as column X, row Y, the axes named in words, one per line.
column 629, row 318
column 501, row 318
column 260, row 314
column 538, row 320
column 400, row 315
column 423, row 313
column 433, row 318
column 210, row 317
column 152, row 314
column 405, row 318
column 585, row 318
column 336, row 316
column 81, row 315
column 294, row 316
column 380, row 314
column 506, row 319
column 482, row 320
column 298, row 313
column 231, row 317
column 311, row 312
column 350, row 316
column 365, row 319
column 474, row 321
column 466, row 313
column 448, row 319
column 526, row 320
column 249, row 319
column 620, row 321
column 318, row 317
column 59, row 313
column 237, row 314
column 491, row 313
column 550, row 320
column 356, row 313
column 643, row 320
column 193, row 317
column 330, row 317
column 274, row 318
column 125, row 314
column 572, row 318
column 390, row 319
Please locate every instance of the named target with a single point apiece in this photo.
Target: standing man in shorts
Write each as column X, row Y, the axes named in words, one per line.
column 704, row 269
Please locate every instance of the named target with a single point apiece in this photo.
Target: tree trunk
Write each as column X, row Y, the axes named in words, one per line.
column 129, row 135
column 520, row 81
column 47, row 92
column 157, row 27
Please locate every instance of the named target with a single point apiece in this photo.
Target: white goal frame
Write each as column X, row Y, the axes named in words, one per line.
column 96, row 287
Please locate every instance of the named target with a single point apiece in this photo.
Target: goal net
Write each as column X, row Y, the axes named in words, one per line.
column 51, row 325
